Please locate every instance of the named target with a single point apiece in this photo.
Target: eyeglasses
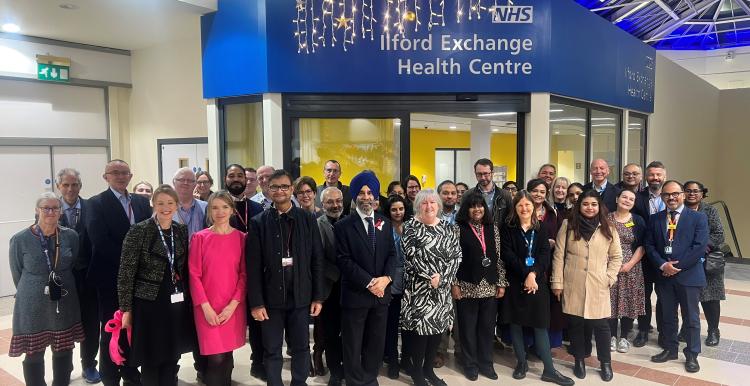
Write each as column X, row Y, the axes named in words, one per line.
column 49, row 209
column 306, row 192
column 283, row 188
column 118, row 173
column 628, row 174
column 184, row 180
column 204, row 182
column 693, row 191
column 511, row 188
column 671, row 195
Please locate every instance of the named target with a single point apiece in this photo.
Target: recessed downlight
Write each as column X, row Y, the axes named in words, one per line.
column 68, row 6
column 11, row 28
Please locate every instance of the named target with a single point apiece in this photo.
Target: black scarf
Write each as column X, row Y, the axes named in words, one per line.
column 588, row 227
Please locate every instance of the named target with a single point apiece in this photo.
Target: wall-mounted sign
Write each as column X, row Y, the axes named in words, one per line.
column 53, row 68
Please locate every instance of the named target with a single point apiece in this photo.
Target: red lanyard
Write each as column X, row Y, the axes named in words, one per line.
column 671, row 227
column 243, row 220
column 480, row 237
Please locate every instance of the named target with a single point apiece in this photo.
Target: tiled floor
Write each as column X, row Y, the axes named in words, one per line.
column 726, row 364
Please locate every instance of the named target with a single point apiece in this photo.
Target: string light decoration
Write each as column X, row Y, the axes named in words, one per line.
column 401, row 11
column 315, row 22
column 436, row 16
column 301, row 24
column 476, row 8
column 387, row 18
column 367, row 18
column 459, row 11
column 417, row 23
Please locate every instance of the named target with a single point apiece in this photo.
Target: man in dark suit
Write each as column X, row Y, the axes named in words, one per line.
column 74, row 211
column 284, row 279
column 676, row 242
column 366, row 260
column 331, row 175
column 110, row 215
column 599, row 171
column 330, row 317
column 647, row 202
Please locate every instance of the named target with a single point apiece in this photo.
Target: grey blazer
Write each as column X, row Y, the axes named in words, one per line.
column 332, row 273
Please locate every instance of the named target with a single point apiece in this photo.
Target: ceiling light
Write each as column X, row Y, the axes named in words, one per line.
column 557, row 132
column 452, row 127
column 495, row 114
column 11, row 28
column 495, row 130
column 568, row 120
column 602, row 119
column 582, row 135
column 68, row 6
column 556, row 110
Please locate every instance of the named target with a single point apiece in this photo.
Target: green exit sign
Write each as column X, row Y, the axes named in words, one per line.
column 53, row 72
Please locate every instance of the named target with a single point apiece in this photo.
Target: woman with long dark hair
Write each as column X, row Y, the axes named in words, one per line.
column 587, row 258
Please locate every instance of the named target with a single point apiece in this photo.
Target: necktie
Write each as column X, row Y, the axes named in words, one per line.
column 371, row 231
column 672, row 215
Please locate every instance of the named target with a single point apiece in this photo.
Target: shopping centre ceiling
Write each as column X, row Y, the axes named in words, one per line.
column 679, row 24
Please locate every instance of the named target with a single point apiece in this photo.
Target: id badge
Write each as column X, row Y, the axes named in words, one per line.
column 46, row 290
column 178, row 297
column 668, row 250
column 629, row 224
column 287, row 262
column 530, row 261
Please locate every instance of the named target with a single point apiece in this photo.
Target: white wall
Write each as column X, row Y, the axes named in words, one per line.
column 165, row 102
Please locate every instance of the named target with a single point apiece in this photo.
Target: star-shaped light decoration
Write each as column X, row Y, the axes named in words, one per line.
column 300, row 5
column 343, row 21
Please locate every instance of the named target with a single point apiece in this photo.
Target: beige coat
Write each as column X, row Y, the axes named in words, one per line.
column 589, row 270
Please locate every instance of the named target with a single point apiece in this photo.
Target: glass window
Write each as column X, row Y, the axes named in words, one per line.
column 605, row 141
column 357, row 144
column 243, row 136
column 568, row 141
column 635, row 133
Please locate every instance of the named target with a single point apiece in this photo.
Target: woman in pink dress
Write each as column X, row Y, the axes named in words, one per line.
column 217, row 283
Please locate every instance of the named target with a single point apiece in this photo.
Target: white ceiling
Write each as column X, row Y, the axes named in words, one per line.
column 714, row 67
column 123, row 24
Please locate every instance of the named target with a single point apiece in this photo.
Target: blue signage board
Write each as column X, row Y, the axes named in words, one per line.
column 423, row 46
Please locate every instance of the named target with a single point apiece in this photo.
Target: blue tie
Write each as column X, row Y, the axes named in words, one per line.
column 371, row 232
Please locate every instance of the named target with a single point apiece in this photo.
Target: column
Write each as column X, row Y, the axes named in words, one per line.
column 273, row 144
column 480, row 139
column 537, row 141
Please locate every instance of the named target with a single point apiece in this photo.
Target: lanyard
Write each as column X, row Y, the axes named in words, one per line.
column 44, row 241
column 671, row 227
column 243, row 220
column 480, row 237
column 655, row 207
column 170, row 252
column 190, row 216
column 76, row 216
column 529, row 240
column 290, row 229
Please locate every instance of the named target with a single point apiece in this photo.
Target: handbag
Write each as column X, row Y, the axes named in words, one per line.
column 715, row 262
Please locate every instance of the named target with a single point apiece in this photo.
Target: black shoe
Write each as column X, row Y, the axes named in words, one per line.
column 713, row 337
column 471, row 374
column 556, row 377
column 258, row 371
column 664, row 356
column 434, row 380
column 393, row 370
column 691, row 363
column 405, row 366
column 334, row 381
column 489, row 373
column 579, row 369
column 607, row 373
column 199, row 377
column 520, row 371
column 640, row 339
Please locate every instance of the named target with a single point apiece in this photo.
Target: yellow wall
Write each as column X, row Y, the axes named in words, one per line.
column 424, row 143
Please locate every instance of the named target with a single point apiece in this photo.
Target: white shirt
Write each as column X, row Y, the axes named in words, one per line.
column 363, row 216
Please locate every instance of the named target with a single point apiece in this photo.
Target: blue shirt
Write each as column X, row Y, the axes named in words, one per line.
column 124, row 200
column 72, row 213
column 193, row 217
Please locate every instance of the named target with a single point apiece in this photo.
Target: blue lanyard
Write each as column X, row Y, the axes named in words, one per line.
column 44, row 241
column 529, row 241
column 170, row 253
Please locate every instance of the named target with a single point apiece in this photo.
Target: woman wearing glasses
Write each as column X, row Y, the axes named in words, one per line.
column 479, row 280
column 203, row 184
column 511, row 187
column 305, row 190
column 46, row 311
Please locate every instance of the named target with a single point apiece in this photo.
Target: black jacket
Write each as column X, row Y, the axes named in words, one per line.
column 359, row 264
column 238, row 222
column 641, row 207
column 106, row 226
column 328, row 239
column 265, row 276
column 609, row 197
column 502, row 203
column 83, row 259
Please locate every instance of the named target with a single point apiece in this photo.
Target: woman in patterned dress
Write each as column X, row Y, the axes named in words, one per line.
column 432, row 255
column 627, row 295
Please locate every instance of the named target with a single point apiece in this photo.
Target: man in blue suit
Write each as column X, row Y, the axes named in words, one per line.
column 366, row 257
column 676, row 242
column 111, row 213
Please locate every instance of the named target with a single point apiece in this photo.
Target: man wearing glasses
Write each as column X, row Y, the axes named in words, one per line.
column 498, row 200
column 111, row 213
column 331, row 174
column 632, row 176
column 191, row 211
column 284, row 279
column 676, row 241
column 74, row 210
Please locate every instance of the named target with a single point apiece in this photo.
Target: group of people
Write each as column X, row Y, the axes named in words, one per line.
column 145, row 280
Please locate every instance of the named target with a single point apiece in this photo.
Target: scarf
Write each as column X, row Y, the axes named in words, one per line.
column 588, row 227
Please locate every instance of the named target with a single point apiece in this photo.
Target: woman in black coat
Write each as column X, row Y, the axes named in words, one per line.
column 525, row 250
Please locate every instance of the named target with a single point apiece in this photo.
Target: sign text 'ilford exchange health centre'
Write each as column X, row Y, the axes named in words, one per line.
column 423, row 46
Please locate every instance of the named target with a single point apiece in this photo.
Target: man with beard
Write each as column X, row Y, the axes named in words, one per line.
column 498, row 200
column 264, row 196
column 285, row 279
column 366, row 260
column 449, row 194
column 330, row 318
column 647, row 202
column 244, row 210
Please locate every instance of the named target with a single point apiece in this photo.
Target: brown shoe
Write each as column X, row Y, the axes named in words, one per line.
column 439, row 361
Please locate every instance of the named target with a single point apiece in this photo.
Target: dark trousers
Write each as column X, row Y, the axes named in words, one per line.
column 110, row 372
column 626, row 325
column 600, row 328
column 319, row 337
column 476, row 327
column 421, row 351
column 294, row 322
column 644, row 321
column 363, row 339
column 712, row 310
column 671, row 294
column 89, row 319
column 33, row 368
column 392, row 330
column 541, row 344
column 330, row 318
column 218, row 369
column 255, row 334
column 163, row 375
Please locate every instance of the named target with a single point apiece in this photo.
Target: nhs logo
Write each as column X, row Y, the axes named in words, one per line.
column 513, row 14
